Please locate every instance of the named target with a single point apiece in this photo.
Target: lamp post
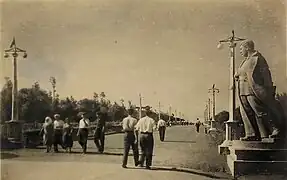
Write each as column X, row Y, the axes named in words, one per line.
column 159, row 110
column 231, row 122
column 169, row 114
column 213, row 90
column 209, row 116
column 15, row 129
column 140, row 108
column 15, row 52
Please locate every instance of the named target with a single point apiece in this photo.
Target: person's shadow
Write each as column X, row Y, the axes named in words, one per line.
column 183, row 170
column 173, row 141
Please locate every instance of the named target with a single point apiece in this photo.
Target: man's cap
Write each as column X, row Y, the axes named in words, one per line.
column 147, row 108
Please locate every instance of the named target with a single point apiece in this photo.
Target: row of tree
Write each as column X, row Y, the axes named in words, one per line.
column 36, row 103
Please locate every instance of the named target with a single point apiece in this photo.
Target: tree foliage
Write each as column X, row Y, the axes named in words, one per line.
column 36, row 103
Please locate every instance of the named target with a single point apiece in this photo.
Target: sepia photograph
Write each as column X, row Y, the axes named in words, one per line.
column 143, row 89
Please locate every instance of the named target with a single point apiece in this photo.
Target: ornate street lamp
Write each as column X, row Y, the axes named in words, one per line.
column 213, row 90
column 15, row 52
column 15, row 127
column 231, row 122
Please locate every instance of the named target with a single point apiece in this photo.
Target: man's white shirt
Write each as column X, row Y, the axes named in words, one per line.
column 84, row 123
column 146, row 125
column 58, row 124
column 161, row 123
column 129, row 123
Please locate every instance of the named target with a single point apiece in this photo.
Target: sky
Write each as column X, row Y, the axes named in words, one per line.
column 163, row 49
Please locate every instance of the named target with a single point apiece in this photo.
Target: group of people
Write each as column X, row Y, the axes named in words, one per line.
column 141, row 132
column 59, row 132
column 56, row 133
column 136, row 133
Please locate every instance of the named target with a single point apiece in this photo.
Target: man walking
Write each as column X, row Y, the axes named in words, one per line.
column 99, row 136
column 197, row 125
column 83, row 132
column 161, row 125
column 146, row 126
column 130, row 138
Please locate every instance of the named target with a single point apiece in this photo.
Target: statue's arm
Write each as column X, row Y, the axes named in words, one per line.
column 254, row 79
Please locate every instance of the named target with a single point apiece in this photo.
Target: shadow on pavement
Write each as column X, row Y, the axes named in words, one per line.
column 181, row 141
column 189, row 171
column 98, row 153
column 8, row 155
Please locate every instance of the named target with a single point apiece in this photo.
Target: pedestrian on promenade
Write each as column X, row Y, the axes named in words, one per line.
column 161, row 126
column 146, row 126
column 47, row 132
column 99, row 135
column 130, row 138
column 67, row 135
column 83, row 131
column 58, row 132
column 197, row 125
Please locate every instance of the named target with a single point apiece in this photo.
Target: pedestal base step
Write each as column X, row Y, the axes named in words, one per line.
column 247, row 167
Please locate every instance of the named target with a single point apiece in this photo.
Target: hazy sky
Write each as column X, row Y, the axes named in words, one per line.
column 164, row 49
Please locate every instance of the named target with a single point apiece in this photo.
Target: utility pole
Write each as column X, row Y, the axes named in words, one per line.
column 213, row 90
column 169, row 114
column 159, row 110
column 209, row 117
column 140, row 110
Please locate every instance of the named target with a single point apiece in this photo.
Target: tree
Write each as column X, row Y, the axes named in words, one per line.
column 6, row 100
column 34, row 103
column 68, row 108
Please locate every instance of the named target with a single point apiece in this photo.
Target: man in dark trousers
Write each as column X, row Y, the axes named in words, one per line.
column 83, row 131
column 146, row 126
column 58, row 132
column 161, row 126
column 99, row 136
column 197, row 125
column 130, row 138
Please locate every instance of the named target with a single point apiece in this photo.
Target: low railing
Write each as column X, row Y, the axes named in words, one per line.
column 32, row 138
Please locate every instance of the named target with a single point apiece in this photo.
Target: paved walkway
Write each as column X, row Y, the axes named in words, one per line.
column 184, row 155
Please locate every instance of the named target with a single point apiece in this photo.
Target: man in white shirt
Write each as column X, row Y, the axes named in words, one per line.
column 130, row 138
column 146, row 126
column 83, row 131
column 161, row 126
column 58, row 132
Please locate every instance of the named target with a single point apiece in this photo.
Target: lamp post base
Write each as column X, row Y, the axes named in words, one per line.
column 15, row 132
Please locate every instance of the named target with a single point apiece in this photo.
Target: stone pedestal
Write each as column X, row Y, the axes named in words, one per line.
column 15, row 131
column 257, row 157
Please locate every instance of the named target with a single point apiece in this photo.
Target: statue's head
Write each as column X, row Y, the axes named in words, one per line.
column 246, row 47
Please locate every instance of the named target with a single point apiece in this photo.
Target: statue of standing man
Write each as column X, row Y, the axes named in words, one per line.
column 259, row 109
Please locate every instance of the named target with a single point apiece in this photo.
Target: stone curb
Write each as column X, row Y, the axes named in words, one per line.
column 191, row 171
